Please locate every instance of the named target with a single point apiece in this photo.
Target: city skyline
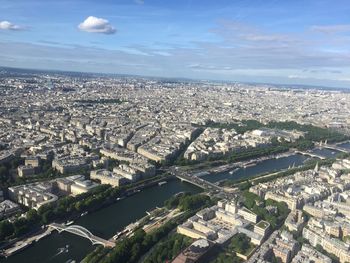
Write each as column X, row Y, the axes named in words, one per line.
column 304, row 42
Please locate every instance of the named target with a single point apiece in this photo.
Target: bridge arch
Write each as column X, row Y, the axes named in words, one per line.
column 78, row 230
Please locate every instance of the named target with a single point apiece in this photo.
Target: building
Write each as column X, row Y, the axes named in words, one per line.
column 25, row 170
column 33, row 195
column 32, row 161
column 282, row 253
column 64, row 184
column 294, row 221
column 195, row 252
column 108, row 177
column 248, row 215
column 70, row 165
column 331, row 245
column 221, row 222
column 307, row 254
column 314, row 211
column 262, row 228
column 128, row 172
column 82, row 186
column 8, row 208
column 292, row 203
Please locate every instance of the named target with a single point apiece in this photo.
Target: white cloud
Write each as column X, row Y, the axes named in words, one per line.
column 140, row 2
column 94, row 24
column 6, row 25
column 330, row 29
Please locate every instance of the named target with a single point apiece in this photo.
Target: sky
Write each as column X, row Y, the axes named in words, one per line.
column 271, row 41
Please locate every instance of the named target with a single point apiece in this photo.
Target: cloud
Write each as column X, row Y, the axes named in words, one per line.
column 239, row 33
column 6, row 25
column 94, row 24
column 331, row 29
column 209, row 67
column 140, row 2
column 236, row 52
column 302, row 77
column 323, row 71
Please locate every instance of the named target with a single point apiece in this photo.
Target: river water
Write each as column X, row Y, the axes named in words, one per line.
column 345, row 145
column 104, row 223
column 326, row 152
column 269, row 166
column 108, row 221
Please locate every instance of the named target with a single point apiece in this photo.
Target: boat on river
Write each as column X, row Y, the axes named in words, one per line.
column 68, row 223
column 84, row 214
column 234, row 170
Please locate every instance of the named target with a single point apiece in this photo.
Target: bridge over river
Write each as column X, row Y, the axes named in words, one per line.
column 336, row 147
column 83, row 232
column 311, row 154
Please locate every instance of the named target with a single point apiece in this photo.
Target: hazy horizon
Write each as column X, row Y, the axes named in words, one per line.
column 289, row 43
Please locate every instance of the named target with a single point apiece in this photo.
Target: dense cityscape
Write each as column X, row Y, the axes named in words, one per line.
column 106, row 168
column 187, row 131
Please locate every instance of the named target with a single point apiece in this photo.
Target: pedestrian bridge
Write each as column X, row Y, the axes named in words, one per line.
column 336, row 147
column 311, row 154
column 83, row 232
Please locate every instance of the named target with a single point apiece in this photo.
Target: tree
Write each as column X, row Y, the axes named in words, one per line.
column 6, row 229
column 135, row 252
column 48, row 216
column 3, row 171
column 32, row 216
column 240, row 243
column 21, row 226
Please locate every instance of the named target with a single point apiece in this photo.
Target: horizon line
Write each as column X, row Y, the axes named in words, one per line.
column 292, row 86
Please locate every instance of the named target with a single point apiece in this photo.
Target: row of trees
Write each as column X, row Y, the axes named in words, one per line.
column 239, row 126
column 21, row 226
column 187, row 201
column 6, row 178
column 168, row 249
column 131, row 249
column 241, row 243
column 226, row 257
column 312, row 134
column 245, row 184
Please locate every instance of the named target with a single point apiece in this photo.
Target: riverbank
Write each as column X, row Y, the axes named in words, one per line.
column 104, row 223
column 25, row 243
column 260, row 178
column 248, row 163
column 29, row 239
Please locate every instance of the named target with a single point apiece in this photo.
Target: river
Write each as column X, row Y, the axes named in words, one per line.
column 345, row 145
column 108, row 221
column 326, row 152
column 268, row 166
column 104, row 223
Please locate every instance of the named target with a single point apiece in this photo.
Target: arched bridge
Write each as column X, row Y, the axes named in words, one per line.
column 333, row 146
column 83, row 232
column 336, row 147
column 314, row 155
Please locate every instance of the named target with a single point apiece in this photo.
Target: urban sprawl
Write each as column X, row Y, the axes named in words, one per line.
column 72, row 144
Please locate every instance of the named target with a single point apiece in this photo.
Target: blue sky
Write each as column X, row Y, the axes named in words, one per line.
column 277, row 41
